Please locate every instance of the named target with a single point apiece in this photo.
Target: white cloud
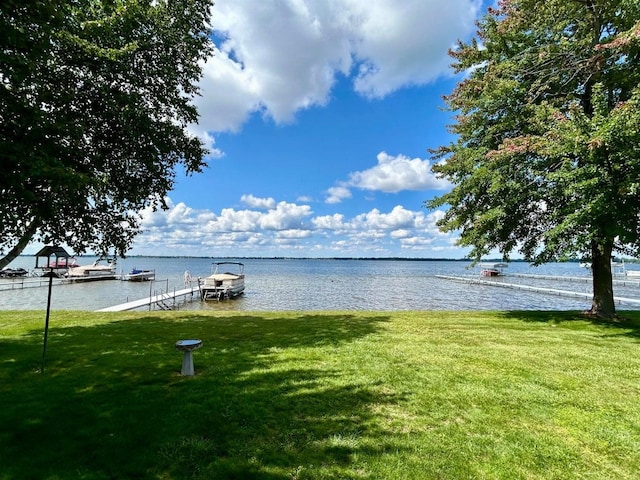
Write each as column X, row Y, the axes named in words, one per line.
column 255, row 202
column 401, row 233
column 294, row 234
column 405, row 43
column 229, row 95
column 337, row 194
column 207, row 139
column 288, row 228
column 390, row 175
column 280, row 56
column 394, row 174
column 329, row 222
column 231, row 220
column 399, row 217
column 177, row 214
column 285, row 216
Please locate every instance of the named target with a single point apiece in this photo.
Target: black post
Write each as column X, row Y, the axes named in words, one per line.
column 46, row 323
column 58, row 253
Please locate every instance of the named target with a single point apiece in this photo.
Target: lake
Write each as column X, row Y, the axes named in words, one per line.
column 320, row 284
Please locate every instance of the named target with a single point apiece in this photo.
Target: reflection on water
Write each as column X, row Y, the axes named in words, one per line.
column 288, row 284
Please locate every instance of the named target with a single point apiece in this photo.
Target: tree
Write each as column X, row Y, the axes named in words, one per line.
column 545, row 159
column 95, row 104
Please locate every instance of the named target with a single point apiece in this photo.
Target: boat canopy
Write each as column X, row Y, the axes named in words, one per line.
column 493, row 265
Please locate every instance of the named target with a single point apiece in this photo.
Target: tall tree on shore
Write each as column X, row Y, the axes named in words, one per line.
column 546, row 159
column 95, row 104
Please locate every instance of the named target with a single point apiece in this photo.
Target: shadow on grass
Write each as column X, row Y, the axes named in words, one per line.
column 264, row 403
column 627, row 323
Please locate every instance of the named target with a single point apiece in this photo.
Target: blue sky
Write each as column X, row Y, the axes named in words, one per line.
column 319, row 115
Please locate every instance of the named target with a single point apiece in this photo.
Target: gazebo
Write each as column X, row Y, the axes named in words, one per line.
column 61, row 259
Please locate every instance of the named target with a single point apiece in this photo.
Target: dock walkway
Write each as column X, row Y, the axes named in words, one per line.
column 551, row 291
column 153, row 299
column 617, row 280
column 20, row 283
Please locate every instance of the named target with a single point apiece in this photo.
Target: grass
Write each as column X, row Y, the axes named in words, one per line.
column 320, row 395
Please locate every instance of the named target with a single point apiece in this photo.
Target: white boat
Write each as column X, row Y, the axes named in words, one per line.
column 223, row 284
column 493, row 269
column 140, row 275
column 88, row 273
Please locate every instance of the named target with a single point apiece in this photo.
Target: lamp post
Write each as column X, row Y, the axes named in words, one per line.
column 48, row 268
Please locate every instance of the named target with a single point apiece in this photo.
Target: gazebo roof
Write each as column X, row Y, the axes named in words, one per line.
column 49, row 250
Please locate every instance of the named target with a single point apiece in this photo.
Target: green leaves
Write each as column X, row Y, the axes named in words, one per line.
column 546, row 156
column 95, row 100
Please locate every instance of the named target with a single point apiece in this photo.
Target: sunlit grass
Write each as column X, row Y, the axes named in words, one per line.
column 320, row 395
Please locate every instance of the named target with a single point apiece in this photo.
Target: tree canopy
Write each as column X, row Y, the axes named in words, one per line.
column 546, row 156
column 95, row 105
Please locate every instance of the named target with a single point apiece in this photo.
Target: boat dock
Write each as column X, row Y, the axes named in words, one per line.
column 20, row 283
column 166, row 301
column 530, row 288
column 617, row 280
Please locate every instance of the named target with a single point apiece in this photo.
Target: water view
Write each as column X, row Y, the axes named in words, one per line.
column 321, row 284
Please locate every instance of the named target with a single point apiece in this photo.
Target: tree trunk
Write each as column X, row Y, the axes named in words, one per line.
column 602, row 304
column 22, row 243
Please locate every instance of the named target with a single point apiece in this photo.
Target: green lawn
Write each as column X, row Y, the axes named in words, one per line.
column 320, row 395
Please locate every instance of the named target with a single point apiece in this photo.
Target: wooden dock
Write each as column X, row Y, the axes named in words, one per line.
column 162, row 299
column 550, row 291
